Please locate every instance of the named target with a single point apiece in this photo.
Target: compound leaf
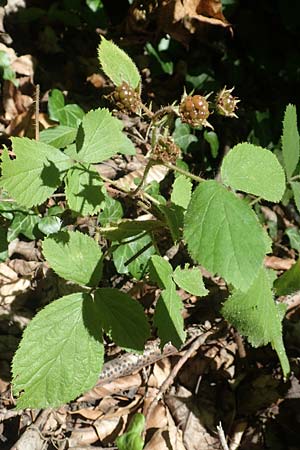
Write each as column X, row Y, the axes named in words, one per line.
column 290, row 140
column 74, row 256
column 223, row 234
column 190, row 280
column 255, row 315
column 60, row 355
column 117, row 65
column 122, row 318
column 167, row 317
column 84, row 189
column 35, row 173
column 100, row 137
column 255, row 170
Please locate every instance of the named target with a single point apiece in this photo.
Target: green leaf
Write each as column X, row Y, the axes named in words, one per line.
column 56, row 102
column 133, row 255
column 60, row 355
column 35, row 173
column 166, row 66
column 117, row 65
column 59, row 136
column 49, row 225
column 71, row 116
column 190, row 280
column 74, row 256
column 223, row 234
column 112, row 211
column 161, row 271
column 182, row 135
column 94, row 5
column 24, row 223
column 290, row 140
column 174, row 215
column 101, row 137
column 294, row 237
column 122, row 318
column 168, row 319
column 84, row 189
column 68, row 115
column 212, row 138
column 132, row 439
column 130, row 228
column 296, row 192
column 255, row 315
column 289, row 281
column 254, row 170
column 3, row 244
column 182, row 191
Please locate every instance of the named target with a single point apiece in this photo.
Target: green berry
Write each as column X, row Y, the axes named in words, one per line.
column 126, row 97
column 194, row 110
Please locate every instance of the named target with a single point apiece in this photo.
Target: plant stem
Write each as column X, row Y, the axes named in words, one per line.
column 142, row 193
column 183, row 172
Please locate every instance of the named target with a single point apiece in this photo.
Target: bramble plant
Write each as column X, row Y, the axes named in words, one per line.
column 61, row 353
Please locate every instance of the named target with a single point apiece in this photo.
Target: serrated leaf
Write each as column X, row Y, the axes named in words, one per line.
column 223, row 234
column 181, row 191
column 289, row 281
column 74, row 256
column 35, row 173
column 190, row 280
column 296, row 192
column 112, row 211
column 60, row 355
column 133, row 255
column 255, row 315
column 100, row 137
column 161, row 271
column 168, row 319
column 49, row 225
column 290, row 140
column 132, row 439
column 59, row 136
column 122, row 318
column 84, row 189
column 255, row 170
column 117, row 65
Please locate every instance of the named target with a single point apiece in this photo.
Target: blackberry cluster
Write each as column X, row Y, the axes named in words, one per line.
column 226, row 103
column 194, row 110
column 166, row 150
column 126, row 98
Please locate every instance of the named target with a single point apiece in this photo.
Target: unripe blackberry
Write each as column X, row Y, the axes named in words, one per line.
column 126, row 97
column 166, row 150
column 226, row 103
column 194, row 110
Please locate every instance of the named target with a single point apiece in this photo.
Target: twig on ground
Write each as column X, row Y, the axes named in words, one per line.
column 169, row 380
column 222, row 437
